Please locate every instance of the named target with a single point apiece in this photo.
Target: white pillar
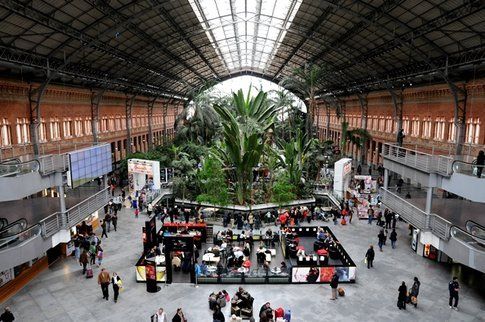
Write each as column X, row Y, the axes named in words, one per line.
column 386, row 178
column 429, row 200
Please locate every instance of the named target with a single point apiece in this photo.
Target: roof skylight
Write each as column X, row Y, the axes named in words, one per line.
column 246, row 33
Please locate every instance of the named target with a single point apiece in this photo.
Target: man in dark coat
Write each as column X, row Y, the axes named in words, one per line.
column 369, row 255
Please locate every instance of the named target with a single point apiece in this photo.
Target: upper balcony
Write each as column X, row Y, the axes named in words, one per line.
column 39, row 173
column 466, row 246
column 449, row 173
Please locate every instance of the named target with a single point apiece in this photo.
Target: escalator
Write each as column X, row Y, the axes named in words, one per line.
column 3, row 223
column 465, row 248
column 14, row 228
column 15, row 167
column 476, row 230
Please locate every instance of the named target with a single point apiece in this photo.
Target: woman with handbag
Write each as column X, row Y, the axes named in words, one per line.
column 179, row 316
column 117, row 285
column 414, row 292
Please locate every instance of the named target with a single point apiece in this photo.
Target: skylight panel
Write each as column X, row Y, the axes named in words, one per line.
column 246, row 34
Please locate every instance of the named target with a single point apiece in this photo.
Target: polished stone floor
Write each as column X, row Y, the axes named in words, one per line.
column 62, row 293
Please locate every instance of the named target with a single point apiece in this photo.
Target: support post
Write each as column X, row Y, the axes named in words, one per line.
column 386, row 179
column 35, row 97
column 150, row 121
column 327, row 111
column 95, row 100
column 397, row 101
column 164, row 113
column 460, row 100
column 128, row 106
column 429, row 200
column 364, row 111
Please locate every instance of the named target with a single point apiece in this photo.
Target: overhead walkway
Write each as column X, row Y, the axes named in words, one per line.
column 21, row 179
column 451, row 174
column 462, row 246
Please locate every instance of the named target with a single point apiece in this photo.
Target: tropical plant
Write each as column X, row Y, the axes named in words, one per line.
column 283, row 190
column 355, row 136
column 282, row 100
column 293, row 158
column 212, row 183
column 305, row 83
column 198, row 122
column 243, row 131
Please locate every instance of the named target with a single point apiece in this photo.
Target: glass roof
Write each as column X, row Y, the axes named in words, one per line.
column 246, row 33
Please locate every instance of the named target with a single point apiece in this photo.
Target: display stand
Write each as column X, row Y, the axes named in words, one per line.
column 151, row 276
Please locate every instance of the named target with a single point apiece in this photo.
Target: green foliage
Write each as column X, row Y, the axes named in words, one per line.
column 356, row 136
column 244, row 127
column 283, row 190
column 212, row 183
column 305, row 82
column 293, row 158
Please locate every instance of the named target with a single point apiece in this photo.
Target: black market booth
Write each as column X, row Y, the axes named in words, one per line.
column 180, row 243
column 310, row 255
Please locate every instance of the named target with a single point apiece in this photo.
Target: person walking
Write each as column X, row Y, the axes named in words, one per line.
column 99, row 255
column 159, row 316
column 7, row 315
column 107, row 220
column 334, row 285
column 400, row 137
column 84, row 260
column 480, row 163
column 401, row 299
column 454, row 288
column 117, row 285
column 415, row 291
column 179, row 316
column 104, row 280
column 114, row 220
column 369, row 256
column 381, row 239
column 393, row 238
column 92, row 253
column 370, row 215
column 103, row 227
column 218, row 316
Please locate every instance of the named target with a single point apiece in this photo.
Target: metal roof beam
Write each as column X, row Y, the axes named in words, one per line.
column 158, row 6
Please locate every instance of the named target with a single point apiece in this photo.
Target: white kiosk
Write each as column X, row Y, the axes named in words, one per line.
column 143, row 173
column 342, row 176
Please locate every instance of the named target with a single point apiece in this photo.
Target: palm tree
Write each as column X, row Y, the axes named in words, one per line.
column 356, row 136
column 243, row 131
column 305, row 83
column 198, row 121
column 294, row 155
column 282, row 99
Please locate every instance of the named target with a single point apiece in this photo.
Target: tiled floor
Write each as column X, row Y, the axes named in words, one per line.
column 63, row 294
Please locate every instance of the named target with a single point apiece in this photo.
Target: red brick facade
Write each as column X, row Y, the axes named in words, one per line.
column 66, row 120
column 428, row 114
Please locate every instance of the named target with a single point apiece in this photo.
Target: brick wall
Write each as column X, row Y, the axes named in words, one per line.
column 69, row 104
column 430, row 107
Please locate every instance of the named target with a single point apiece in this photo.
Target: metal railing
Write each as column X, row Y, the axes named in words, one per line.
column 412, row 214
column 20, row 237
column 13, row 228
column 52, row 224
column 54, row 163
column 439, row 226
column 79, row 212
column 419, row 160
column 468, row 168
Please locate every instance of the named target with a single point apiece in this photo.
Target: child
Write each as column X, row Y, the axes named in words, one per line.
column 137, row 211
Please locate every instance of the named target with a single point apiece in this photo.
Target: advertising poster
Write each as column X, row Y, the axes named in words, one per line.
column 5, row 277
column 305, row 275
column 326, row 274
